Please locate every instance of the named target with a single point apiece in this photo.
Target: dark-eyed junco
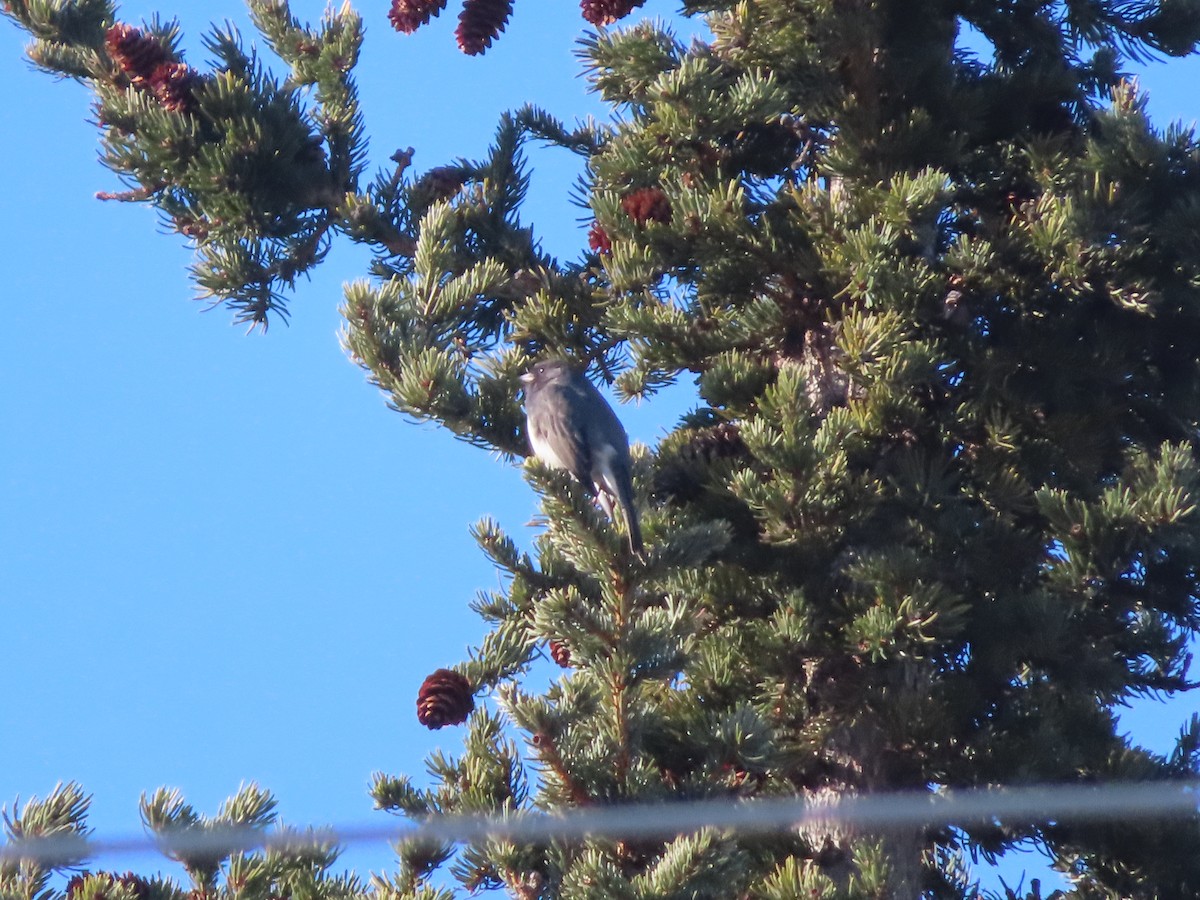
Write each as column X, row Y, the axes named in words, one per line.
column 572, row 427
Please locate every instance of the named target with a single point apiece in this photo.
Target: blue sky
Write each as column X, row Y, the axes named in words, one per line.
column 222, row 559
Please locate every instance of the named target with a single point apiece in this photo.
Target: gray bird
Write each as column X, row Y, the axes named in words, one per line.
column 572, row 427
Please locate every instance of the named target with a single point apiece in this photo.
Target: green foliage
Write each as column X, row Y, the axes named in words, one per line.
column 61, row 817
column 215, row 852
column 935, row 517
column 244, row 165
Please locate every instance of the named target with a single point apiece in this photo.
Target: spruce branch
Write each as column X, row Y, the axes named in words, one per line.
column 62, row 816
column 934, row 517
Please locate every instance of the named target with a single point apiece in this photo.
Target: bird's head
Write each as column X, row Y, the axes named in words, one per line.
column 547, row 371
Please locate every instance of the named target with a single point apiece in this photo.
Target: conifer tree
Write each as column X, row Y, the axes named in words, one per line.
column 934, row 516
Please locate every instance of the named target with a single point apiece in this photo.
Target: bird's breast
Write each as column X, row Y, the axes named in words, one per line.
column 544, row 447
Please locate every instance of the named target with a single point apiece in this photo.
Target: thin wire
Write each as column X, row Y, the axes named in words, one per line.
column 1048, row 803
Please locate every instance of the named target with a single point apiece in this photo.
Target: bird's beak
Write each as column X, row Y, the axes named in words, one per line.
column 527, row 378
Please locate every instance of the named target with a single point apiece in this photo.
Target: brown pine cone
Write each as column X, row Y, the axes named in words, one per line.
column 445, row 698
column 441, row 182
column 172, row 84
column 648, row 204
column 407, row 16
column 560, row 653
column 480, row 22
column 101, row 882
column 718, row 442
column 136, row 53
column 605, row 12
column 682, row 475
column 599, row 240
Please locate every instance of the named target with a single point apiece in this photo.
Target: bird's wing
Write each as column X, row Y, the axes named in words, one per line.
column 556, row 435
column 597, row 416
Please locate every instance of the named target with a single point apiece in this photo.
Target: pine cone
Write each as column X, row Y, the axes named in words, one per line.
column 442, row 182
column 140, row 886
column 407, row 16
column 648, row 204
column 605, row 12
column 718, row 442
column 480, row 22
column 445, row 698
column 682, row 475
column 101, row 882
column 172, row 84
column 136, row 53
column 762, row 149
column 196, row 229
column 598, row 239
column 560, row 653
column 676, row 482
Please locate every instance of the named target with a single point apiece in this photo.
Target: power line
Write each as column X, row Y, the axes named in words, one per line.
column 1049, row 803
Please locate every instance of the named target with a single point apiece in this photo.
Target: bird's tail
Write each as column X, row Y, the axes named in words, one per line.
column 628, row 512
column 635, row 528
column 625, row 498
